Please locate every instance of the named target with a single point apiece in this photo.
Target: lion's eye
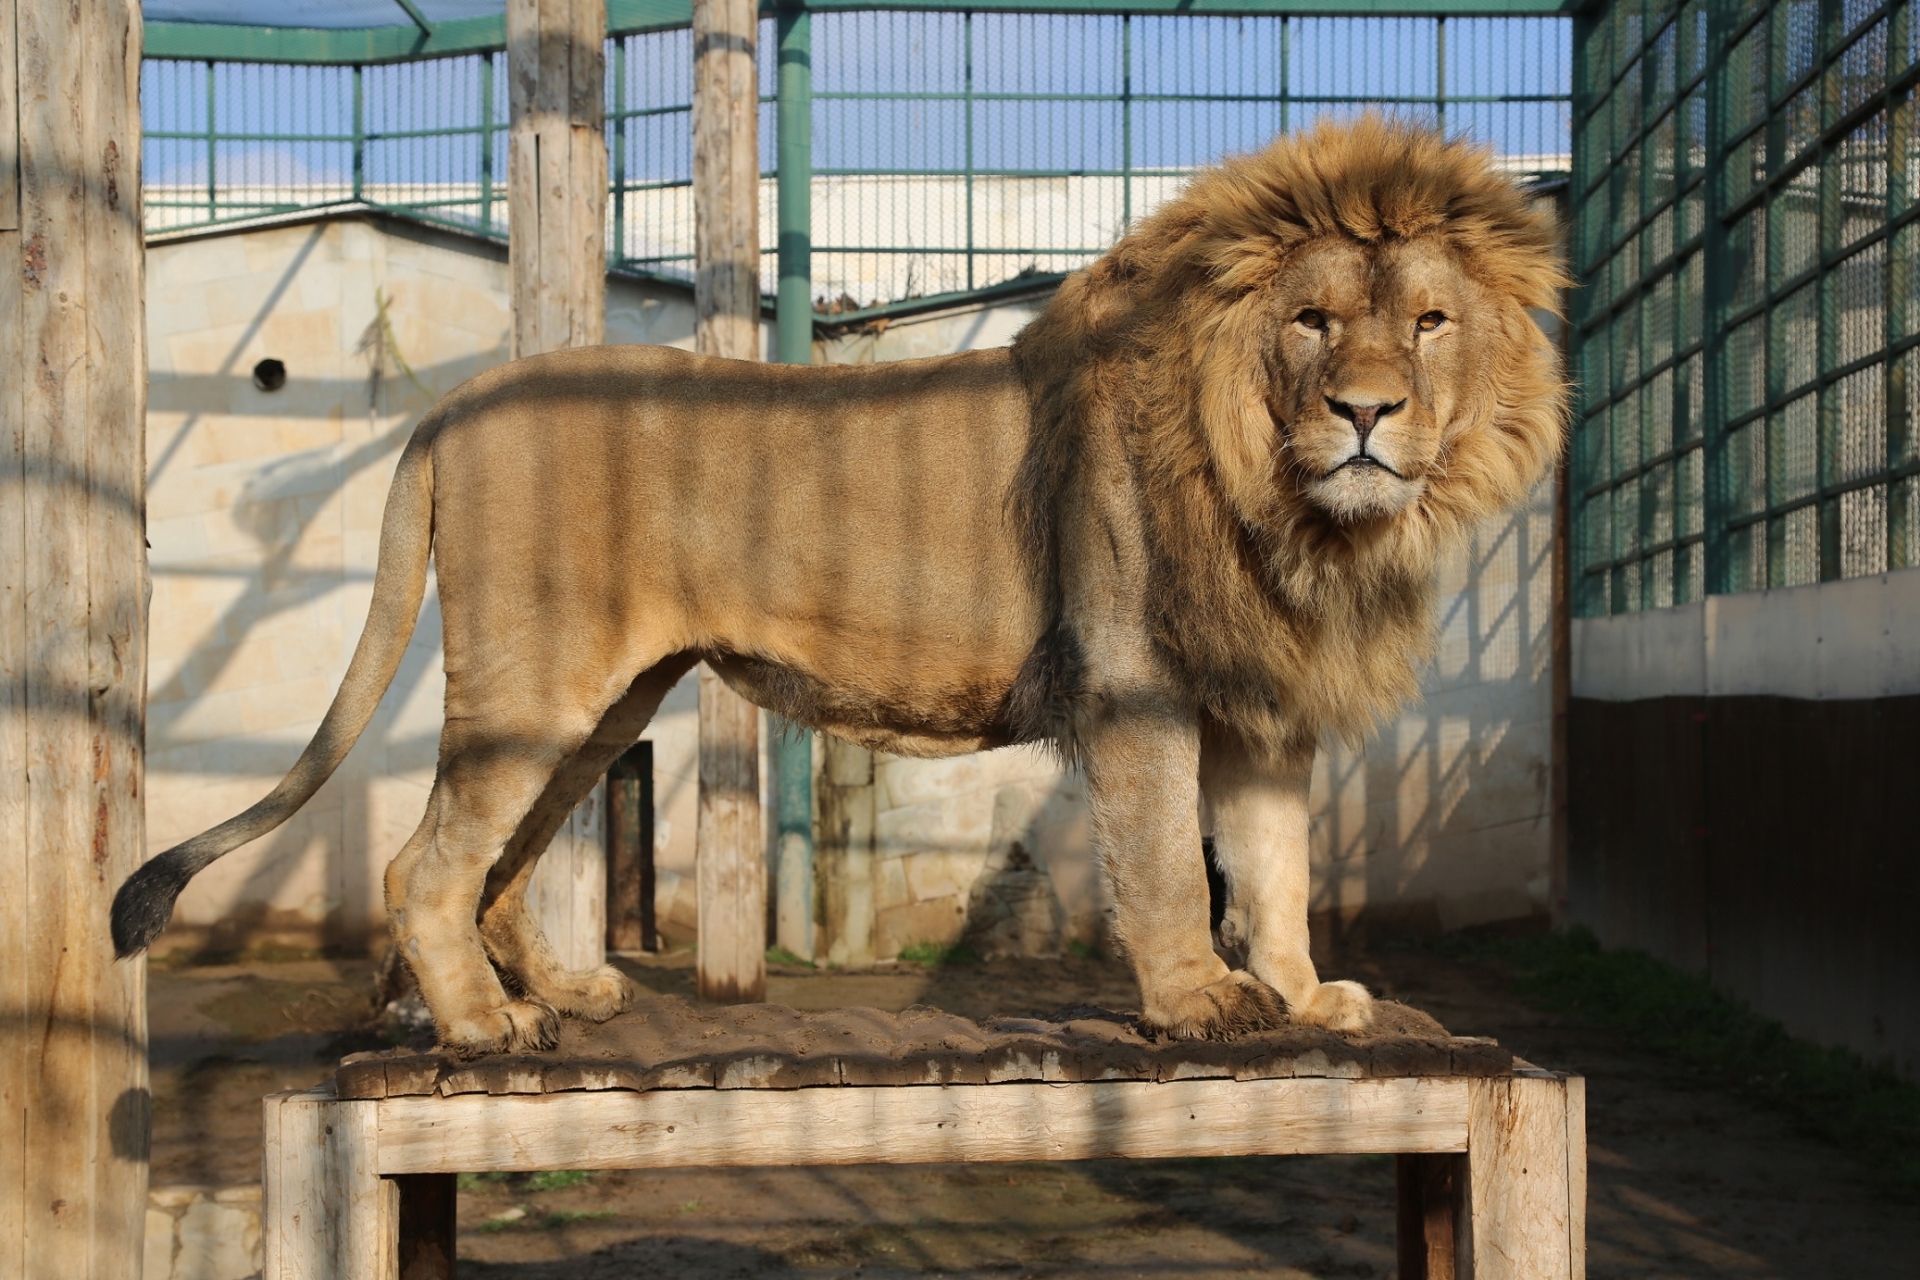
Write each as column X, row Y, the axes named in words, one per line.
column 1430, row 321
column 1310, row 319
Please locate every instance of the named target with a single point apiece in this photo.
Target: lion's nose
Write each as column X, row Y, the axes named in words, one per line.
column 1364, row 417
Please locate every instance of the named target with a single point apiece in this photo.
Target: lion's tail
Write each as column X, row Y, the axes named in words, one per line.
column 145, row 902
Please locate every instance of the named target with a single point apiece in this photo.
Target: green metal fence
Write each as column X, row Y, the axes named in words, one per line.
column 1746, row 339
column 944, row 151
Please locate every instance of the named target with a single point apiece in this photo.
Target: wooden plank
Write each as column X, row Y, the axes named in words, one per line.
column 1428, row 1191
column 1522, row 1176
column 730, row 865
column 630, row 870
column 556, row 173
column 326, row 1212
column 846, row 848
column 9, row 129
column 556, row 256
column 15, row 1037
column 730, row 845
column 726, row 179
column 116, row 585
column 73, row 1167
column 915, row 1124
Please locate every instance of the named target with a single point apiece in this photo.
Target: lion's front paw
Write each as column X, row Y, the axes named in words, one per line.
column 518, row 1026
column 1239, row 1004
column 595, row 995
column 1337, row 1006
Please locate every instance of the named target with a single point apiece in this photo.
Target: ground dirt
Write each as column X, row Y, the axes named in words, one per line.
column 1684, row 1181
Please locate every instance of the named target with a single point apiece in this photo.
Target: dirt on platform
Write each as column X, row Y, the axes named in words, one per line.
column 1683, row 1181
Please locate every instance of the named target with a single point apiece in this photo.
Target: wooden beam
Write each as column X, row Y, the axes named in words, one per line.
column 557, row 173
column 730, row 843
column 846, row 853
column 556, row 254
column 326, row 1211
column 74, row 1104
column 1527, row 1178
column 920, row 1123
column 730, row 866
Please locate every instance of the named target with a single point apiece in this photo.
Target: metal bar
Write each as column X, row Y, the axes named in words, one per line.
column 213, row 152
column 1440, row 70
column 793, row 343
column 794, row 189
column 419, row 19
column 1719, row 497
column 359, row 135
column 1286, row 73
column 1126, row 123
column 968, row 108
column 619, row 122
column 486, row 142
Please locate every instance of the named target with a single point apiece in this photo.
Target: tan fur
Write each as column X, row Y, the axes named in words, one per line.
column 1145, row 534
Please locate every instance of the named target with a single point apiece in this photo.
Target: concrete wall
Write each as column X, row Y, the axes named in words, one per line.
column 1742, row 783
column 1858, row 638
column 264, row 518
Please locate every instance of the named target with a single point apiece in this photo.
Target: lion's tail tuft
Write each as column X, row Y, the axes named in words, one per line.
column 144, row 903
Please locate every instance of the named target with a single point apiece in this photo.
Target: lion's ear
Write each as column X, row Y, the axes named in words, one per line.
column 1235, row 394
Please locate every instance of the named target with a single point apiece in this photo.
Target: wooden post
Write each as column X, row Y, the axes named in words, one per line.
column 730, row 846
column 630, row 872
column 846, row 852
column 74, row 1104
column 557, row 173
column 557, row 256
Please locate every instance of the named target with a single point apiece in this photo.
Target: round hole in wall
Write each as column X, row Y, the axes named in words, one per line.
column 270, row 374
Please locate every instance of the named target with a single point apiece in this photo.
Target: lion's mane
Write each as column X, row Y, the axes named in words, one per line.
column 1281, row 622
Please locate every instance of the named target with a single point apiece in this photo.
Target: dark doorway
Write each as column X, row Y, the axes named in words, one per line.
column 630, row 924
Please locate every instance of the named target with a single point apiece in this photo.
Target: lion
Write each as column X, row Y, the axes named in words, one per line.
column 1185, row 526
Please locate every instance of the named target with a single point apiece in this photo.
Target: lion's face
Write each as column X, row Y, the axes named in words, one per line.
column 1375, row 351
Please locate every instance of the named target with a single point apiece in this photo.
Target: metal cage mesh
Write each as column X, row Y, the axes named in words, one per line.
column 952, row 151
column 1744, row 179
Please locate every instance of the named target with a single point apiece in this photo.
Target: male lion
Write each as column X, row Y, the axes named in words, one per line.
column 1185, row 525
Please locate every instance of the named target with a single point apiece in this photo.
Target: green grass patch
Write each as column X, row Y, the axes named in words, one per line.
column 1084, row 950
column 1834, row 1093
column 780, row 955
column 935, row 954
column 544, row 1180
column 556, row 1179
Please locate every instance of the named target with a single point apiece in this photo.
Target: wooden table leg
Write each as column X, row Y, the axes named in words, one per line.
column 326, row 1213
column 1526, row 1179
column 429, row 1223
column 1428, row 1191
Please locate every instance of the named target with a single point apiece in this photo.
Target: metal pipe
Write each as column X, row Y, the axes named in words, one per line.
column 793, row 344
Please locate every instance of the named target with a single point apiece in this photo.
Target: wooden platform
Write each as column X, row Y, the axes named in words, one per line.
column 1492, row 1172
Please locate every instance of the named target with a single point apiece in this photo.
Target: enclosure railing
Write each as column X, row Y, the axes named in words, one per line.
column 1745, row 191
column 927, row 150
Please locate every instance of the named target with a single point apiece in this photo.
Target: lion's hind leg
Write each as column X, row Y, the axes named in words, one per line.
column 508, row 928
column 434, row 887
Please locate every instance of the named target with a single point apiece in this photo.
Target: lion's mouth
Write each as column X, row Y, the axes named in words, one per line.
column 1364, row 461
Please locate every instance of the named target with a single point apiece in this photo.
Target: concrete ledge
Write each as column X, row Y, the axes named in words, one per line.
column 1854, row 639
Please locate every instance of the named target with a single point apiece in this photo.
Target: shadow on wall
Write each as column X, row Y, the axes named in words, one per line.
column 265, row 501
column 1441, row 819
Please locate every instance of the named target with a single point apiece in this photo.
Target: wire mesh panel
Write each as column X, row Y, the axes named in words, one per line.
column 952, row 151
column 1743, row 186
